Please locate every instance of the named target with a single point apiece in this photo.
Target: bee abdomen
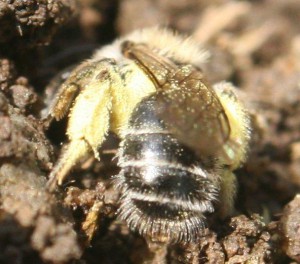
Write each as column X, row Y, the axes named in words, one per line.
column 165, row 192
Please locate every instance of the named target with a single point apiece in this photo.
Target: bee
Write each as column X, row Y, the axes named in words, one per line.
column 181, row 138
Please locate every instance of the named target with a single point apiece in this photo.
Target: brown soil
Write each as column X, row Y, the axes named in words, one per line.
column 254, row 44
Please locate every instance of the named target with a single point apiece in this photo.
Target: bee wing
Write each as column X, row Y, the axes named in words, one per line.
column 192, row 111
column 157, row 67
column 186, row 103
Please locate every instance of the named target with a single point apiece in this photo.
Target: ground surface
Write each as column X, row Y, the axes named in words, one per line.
column 254, row 44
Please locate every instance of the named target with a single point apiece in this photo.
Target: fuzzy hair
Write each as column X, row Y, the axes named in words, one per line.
column 168, row 43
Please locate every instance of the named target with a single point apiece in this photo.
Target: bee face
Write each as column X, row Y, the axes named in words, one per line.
column 181, row 138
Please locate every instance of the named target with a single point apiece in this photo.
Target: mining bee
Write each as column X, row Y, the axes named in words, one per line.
column 181, row 138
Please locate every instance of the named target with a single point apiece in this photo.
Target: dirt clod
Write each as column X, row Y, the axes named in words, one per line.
column 290, row 225
column 253, row 44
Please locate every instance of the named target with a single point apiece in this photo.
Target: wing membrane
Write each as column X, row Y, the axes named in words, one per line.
column 186, row 103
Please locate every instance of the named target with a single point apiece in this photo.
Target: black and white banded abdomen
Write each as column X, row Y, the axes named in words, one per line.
column 165, row 192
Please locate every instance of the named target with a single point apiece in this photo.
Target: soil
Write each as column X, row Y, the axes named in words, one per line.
column 253, row 44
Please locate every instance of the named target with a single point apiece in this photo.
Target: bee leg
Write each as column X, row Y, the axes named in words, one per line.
column 63, row 101
column 89, row 120
column 239, row 121
column 70, row 154
column 70, row 88
column 227, row 193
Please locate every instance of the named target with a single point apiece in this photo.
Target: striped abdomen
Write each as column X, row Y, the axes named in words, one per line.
column 165, row 190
